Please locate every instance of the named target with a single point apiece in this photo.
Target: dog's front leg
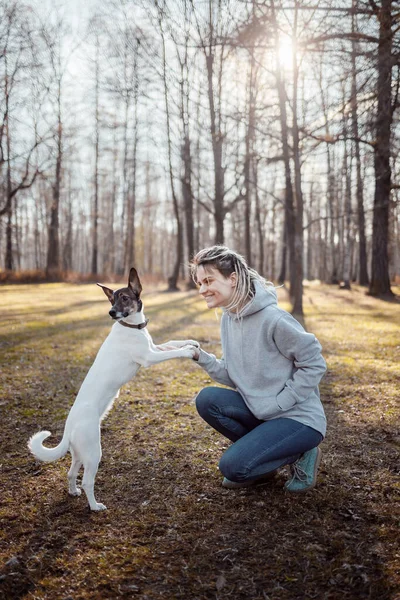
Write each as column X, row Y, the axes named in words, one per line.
column 153, row 357
column 177, row 344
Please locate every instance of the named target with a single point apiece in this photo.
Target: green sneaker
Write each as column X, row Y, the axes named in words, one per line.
column 233, row 485
column 304, row 472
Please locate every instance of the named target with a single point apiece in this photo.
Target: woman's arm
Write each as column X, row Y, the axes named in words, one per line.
column 214, row 367
column 305, row 351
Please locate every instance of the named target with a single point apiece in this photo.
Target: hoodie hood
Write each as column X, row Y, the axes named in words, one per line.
column 263, row 297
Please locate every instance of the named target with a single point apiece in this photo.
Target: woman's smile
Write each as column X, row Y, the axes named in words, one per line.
column 216, row 289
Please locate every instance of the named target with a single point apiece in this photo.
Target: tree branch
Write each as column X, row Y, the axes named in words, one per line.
column 358, row 37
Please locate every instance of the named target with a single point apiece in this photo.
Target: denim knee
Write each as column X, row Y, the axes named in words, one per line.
column 231, row 468
column 204, row 401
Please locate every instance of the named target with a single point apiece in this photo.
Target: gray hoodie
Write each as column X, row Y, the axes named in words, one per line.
column 271, row 361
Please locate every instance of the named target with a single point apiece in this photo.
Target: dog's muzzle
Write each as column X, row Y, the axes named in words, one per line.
column 117, row 315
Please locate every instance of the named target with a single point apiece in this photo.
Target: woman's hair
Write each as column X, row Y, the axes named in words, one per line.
column 228, row 261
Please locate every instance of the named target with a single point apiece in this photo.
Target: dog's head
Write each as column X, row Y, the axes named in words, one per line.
column 125, row 301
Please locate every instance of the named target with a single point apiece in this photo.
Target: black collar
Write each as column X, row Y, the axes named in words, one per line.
column 131, row 326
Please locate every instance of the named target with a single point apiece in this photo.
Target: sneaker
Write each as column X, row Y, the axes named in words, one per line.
column 233, row 485
column 304, row 471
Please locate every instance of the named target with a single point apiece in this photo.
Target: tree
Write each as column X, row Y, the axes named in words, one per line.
column 17, row 151
column 269, row 110
column 53, row 36
column 95, row 218
column 380, row 282
column 185, row 60
column 173, row 278
column 363, row 270
column 214, row 40
column 293, row 234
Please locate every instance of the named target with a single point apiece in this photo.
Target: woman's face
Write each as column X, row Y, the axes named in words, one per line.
column 216, row 289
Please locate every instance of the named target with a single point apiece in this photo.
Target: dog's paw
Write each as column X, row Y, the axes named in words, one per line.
column 76, row 492
column 193, row 343
column 190, row 352
column 98, row 506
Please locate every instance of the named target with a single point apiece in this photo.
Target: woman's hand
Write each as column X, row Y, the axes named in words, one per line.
column 196, row 354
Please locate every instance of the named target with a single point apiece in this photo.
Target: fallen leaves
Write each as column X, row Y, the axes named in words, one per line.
column 171, row 530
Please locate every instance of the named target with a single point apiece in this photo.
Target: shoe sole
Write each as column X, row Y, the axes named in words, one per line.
column 233, row 485
column 314, row 482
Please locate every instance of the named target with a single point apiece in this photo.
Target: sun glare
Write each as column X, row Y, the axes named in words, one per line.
column 285, row 53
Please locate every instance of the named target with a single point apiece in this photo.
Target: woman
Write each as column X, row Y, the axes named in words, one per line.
column 273, row 415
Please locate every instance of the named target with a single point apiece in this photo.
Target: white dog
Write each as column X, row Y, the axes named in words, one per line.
column 127, row 347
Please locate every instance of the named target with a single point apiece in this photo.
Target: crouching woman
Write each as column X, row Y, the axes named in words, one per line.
column 273, row 413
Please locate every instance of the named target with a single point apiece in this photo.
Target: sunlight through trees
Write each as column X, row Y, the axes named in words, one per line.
column 138, row 132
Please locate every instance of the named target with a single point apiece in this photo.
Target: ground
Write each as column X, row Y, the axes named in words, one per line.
column 171, row 531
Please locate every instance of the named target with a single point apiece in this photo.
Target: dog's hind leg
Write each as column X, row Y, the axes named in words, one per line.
column 91, row 465
column 88, row 485
column 73, row 490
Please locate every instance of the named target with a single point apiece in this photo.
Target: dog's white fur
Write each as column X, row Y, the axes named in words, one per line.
column 118, row 360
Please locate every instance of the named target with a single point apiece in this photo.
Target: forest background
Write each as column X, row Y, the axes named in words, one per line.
column 134, row 132
column 137, row 132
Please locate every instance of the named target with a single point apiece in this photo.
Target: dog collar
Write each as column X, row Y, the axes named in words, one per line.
column 131, row 326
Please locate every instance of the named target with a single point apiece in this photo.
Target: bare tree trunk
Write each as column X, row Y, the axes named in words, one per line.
column 53, row 248
column 37, row 236
column 248, row 160
column 273, row 246
column 9, row 205
column 289, row 247
column 110, row 255
column 187, row 195
column 259, row 225
column 186, row 154
column 173, row 278
column 9, row 263
column 334, row 275
column 131, row 200
column 347, row 212
column 67, row 249
column 297, row 293
column 380, row 282
column 213, row 46
column 95, row 221
column 330, row 227
column 310, row 242
column 362, row 246
column 216, row 140
column 125, row 188
column 322, row 244
column 282, row 271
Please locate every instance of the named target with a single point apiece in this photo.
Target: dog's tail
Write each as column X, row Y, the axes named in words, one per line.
column 35, row 445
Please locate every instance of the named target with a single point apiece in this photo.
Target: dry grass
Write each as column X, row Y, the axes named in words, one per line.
column 171, row 531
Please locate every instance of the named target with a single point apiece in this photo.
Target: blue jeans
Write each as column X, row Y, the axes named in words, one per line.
column 259, row 446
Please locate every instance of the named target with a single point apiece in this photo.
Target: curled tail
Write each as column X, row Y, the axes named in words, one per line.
column 35, row 445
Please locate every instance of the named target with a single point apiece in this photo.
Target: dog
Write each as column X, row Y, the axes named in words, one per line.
column 127, row 347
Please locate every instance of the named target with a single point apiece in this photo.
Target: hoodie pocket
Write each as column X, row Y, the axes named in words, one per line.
column 286, row 399
column 265, row 407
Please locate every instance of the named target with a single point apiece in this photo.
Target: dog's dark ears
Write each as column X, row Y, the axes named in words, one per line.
column 134, row 281
column 108, row 292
